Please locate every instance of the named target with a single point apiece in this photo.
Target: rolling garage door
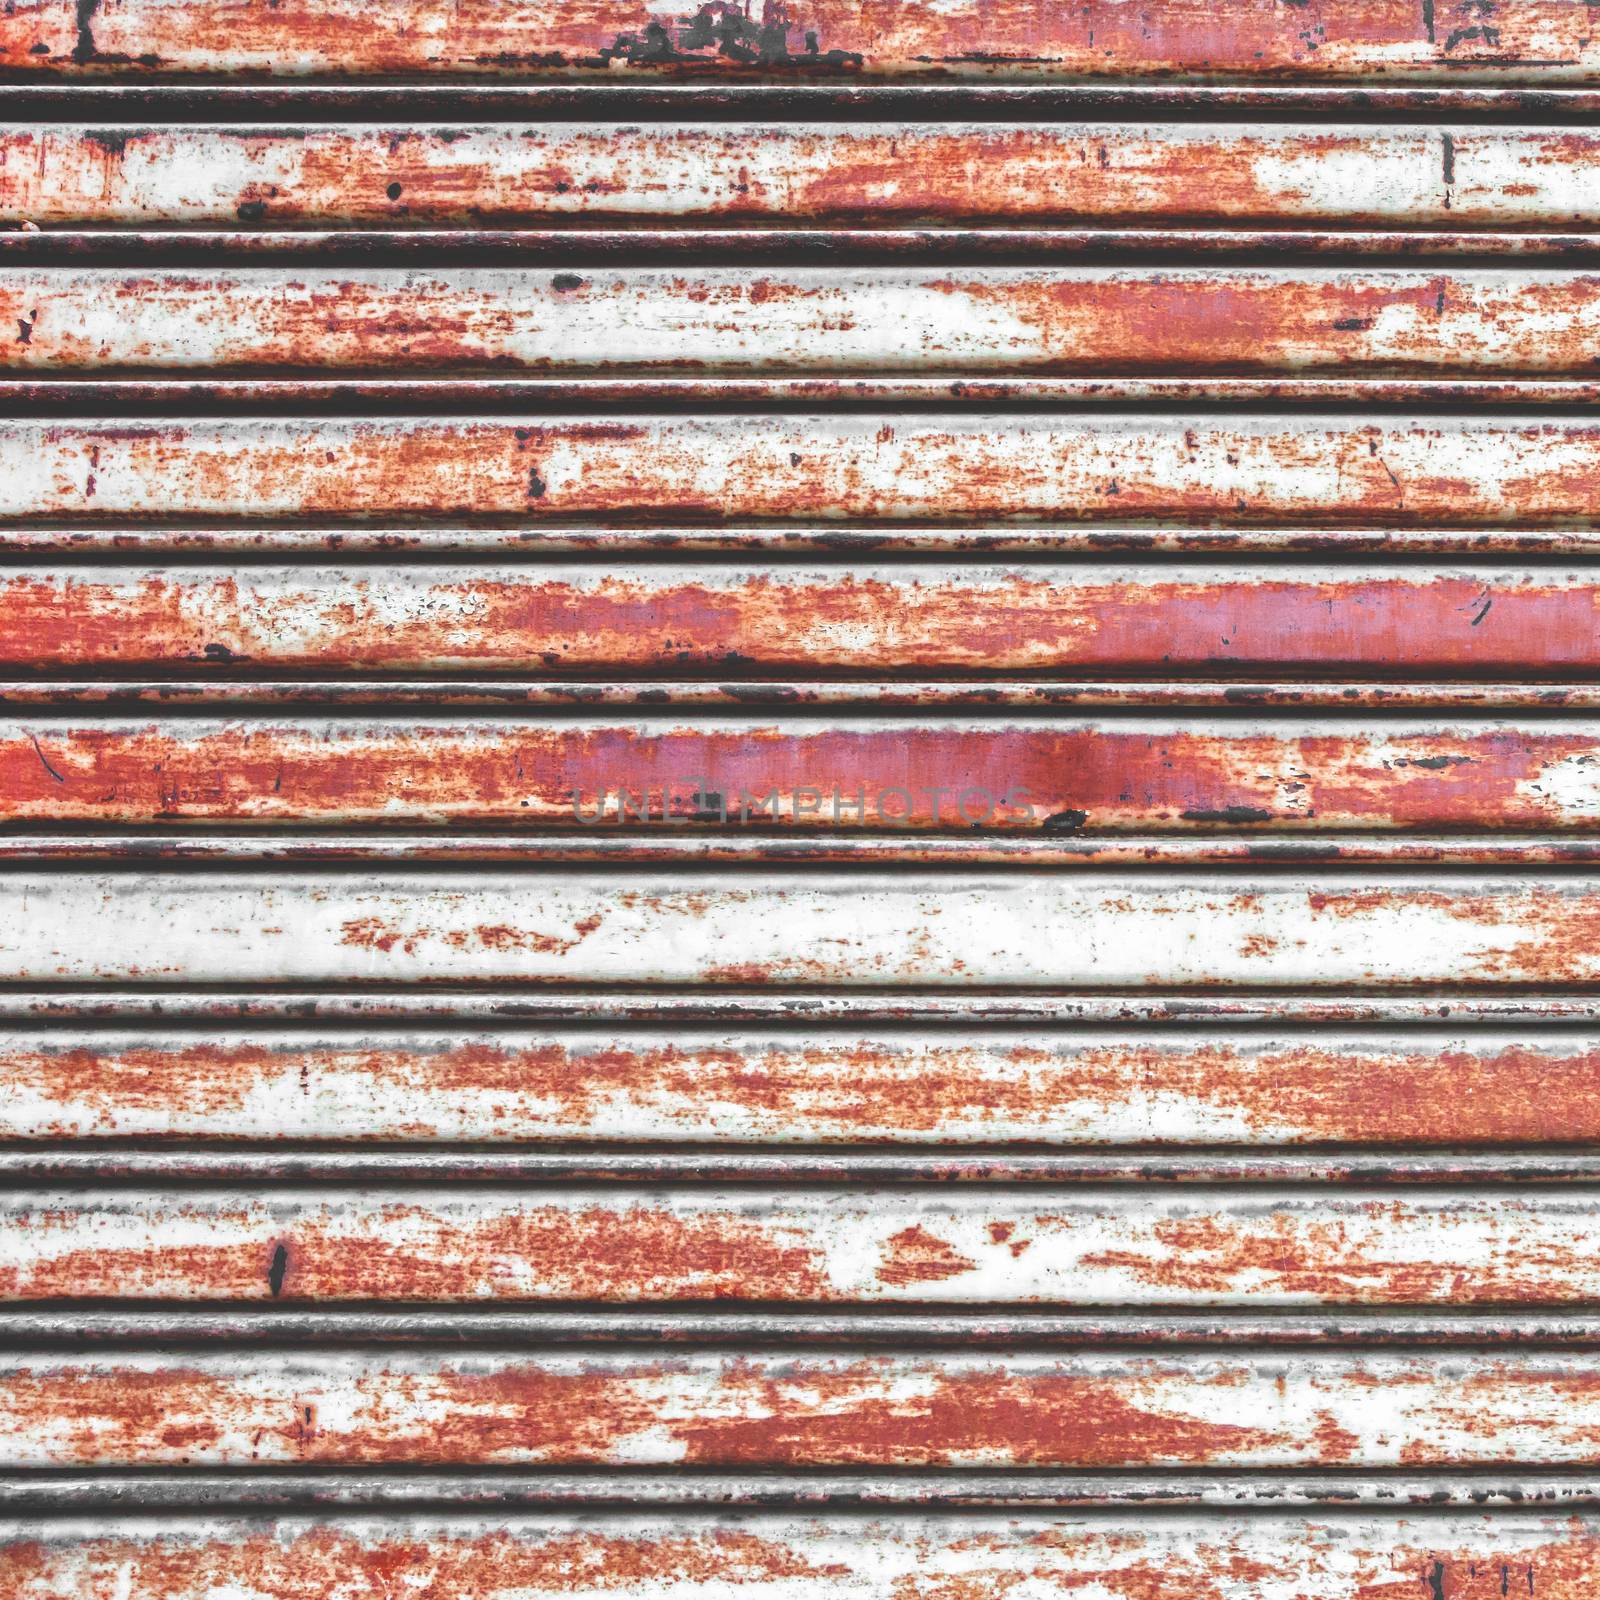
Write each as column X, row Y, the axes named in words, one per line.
column 799, row 802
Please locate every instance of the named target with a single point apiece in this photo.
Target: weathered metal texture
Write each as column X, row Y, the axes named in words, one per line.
column 808, row 1007
column 79, row 1326
column 845, row 930
column 787, row 1410
column 621, row 538
column 887, row 1088
column 1464, row 176
column 592, row 618
column 911, row 1557
column 975, row 1246
column 1088, row 468
column 1515, row 41
column 1060, row 776
column 1090, row 320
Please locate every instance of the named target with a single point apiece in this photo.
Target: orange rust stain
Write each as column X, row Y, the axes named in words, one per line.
column 874, row 1411
column 493, row 1563
column 484, row 1566
column 913, row 1255
column 1330, row 1260
column 641, row 1253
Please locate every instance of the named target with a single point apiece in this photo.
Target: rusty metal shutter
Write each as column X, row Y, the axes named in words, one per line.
column 799, row 801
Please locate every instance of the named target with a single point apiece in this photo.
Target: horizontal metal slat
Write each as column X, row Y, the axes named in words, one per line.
column 1528, row 41
column 1114, row 776
column 810, row 622
column 880, row 320
column 764, row 1409
column 486, row 1491
column 916, row 1088
column 490, row 1557
column 1459, row 177
column 1321, row 469
column 386, row 539
column 809, row 1006
column 844, row 930
column 1082, row 1246
column 498, row 1326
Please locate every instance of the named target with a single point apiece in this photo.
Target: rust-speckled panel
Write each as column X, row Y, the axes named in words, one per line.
column 959, row 930
column 976, row 1246
column 747, row 1089
column 1475, row 469
column 1094, row 321
column 783, row 1409
column 1325, row 1556
column 1451, row 41
column 1463, row 175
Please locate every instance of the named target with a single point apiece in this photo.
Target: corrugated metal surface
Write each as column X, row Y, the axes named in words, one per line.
column 799, row 801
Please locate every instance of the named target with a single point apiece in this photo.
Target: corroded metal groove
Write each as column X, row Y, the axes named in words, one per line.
column 1079, row 1246
column 64, row 1492
column 55, row 395
column 1328, row 1555
column 880, row 320
column 222, row 689
column 996, row 1087
column 757, row 1409
column 1110, row 776
column 80, row 1326
column 561, row 245
column 644, row 847
column 1523, row 41
column 700, row 1163
column 374, row 539
column 810, row 622
column 811, row 1007
column 1185, row 177
column 1090, row 468
column 832, row 930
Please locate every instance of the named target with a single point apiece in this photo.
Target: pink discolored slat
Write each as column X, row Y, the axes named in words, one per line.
column 1086, row 468
column 913, row 1556
column 1113, row 776
column 738, row 1088
column 745, row 618
column 757, row 1409
column 1512, row 41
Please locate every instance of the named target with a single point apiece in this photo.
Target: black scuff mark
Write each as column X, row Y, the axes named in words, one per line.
column 44, row 760
column 25, row 328
column 1427, row 21
column 1433, row 763
column 84, row 50
column 1065, row 821
column 1434, row 1578
column 1482, row 612
column 566, row 282
column 536, row 484
column 277, row 1269
column 1233, row 814
column 1353, row 324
